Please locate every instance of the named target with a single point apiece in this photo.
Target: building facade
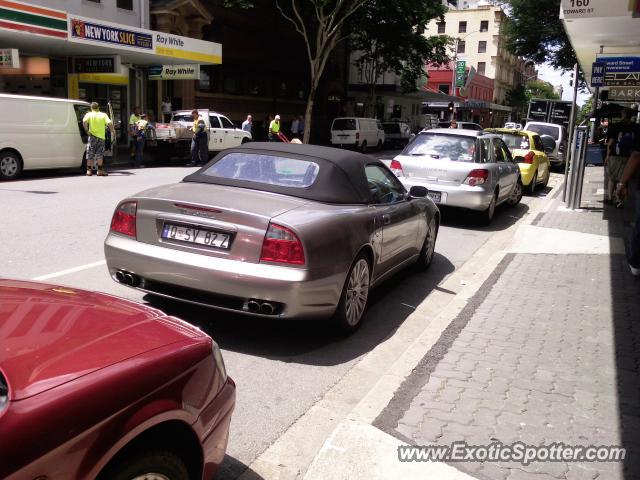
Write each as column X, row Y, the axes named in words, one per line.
column 478, row 31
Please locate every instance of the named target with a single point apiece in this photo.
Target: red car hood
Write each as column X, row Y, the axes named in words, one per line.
column 51, row 335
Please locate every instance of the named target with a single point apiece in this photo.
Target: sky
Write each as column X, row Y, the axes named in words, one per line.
column 558, row 77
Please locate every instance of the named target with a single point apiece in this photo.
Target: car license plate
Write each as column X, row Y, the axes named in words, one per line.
column 198, row 236
column 435, row 196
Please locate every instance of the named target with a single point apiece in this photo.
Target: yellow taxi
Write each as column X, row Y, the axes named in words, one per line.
column 527, row 149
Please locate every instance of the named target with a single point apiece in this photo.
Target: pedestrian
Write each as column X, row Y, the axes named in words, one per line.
column 141, row 127
column 133, row 120
column 453, row 124
column 631, row 171
column 621, row 137
column 295, row 125
column 274, row 129
column 247, row 125
column 166, row 109
column 199, row 140
column 95, row 123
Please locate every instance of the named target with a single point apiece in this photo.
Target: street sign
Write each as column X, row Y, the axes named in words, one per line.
column 550, row 111
column 621, row 71
column 629, row 94
column 174, row 72
column 461, row 70
column 107, row 64
column 597, row 74
column 571, row 9
column 9, row 58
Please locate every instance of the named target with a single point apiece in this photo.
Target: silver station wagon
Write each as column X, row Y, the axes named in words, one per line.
column 461, row 168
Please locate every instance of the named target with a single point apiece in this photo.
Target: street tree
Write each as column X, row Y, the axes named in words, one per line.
column 535, row 32
column 541, row 89
column 390, row 37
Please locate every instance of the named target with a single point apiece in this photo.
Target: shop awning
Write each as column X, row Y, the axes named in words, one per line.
column 46, row 32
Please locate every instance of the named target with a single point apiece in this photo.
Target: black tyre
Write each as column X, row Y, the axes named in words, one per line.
column 516, row 194
column 245, row 140
column 531, row 188
column 355, row 295
column 151, row 465
column 10, row 165
column 487, row 215
column 429, row 245
column 363, row 148
column 379, row 145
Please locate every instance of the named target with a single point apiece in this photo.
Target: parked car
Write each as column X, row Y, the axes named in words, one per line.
column 221, row 131
column 29, row 126
column 461, row 168
column 94, row 386
column 529, row 152
column 396, row 134
column 358, row 133
column 274, row 231
column 558, row 133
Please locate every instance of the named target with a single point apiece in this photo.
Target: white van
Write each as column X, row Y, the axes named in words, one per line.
column 558, row 133
column 361, row 133
column 40, row 132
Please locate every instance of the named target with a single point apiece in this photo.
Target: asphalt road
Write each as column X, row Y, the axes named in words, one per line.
column 53, row 227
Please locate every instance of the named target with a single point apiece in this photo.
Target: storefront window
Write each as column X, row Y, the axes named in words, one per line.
column 125, row 4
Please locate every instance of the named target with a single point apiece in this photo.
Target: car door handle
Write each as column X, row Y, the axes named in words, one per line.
column 386, row 219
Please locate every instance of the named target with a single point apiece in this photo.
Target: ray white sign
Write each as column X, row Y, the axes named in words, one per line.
column 174, row 72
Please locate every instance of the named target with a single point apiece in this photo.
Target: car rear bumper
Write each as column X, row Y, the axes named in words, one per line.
column 223, row 283
column 218, row 413
column 526, row 173
column 461, row 196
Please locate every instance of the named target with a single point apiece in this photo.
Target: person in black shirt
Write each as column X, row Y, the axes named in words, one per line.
column 632, row 169
column 620, row 139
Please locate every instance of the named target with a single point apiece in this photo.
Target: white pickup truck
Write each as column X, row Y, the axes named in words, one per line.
column 221, row 131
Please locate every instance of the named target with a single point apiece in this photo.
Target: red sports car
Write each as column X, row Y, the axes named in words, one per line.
column 94, row 386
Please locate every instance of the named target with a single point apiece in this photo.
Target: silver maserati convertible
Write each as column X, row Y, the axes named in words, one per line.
column 274, row 230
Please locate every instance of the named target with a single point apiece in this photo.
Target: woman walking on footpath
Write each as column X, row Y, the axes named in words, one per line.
column 621, row 137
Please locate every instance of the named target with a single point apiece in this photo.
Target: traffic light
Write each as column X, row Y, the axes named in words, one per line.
column 451, row 106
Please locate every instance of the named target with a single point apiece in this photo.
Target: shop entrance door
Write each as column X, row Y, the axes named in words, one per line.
column 117, row 95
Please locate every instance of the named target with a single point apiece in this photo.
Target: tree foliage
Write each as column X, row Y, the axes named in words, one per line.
column 390, row 37
column 541, row 89
column 535, row 32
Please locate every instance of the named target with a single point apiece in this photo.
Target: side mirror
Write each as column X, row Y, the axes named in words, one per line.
column 418, row 191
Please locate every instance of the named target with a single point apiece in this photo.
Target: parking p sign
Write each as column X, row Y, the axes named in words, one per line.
column 597, row 74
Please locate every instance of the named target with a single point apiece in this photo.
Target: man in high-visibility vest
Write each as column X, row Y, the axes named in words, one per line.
column 95, row 123
column 141, row 128
column 199, row 141
column 134, row 118
column 274, row 129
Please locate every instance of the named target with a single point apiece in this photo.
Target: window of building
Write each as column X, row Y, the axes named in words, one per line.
column 444, row 88
column 482, row 46
column 125, row 4
column 484, row 25
column 481, row 67
column 461, row 47
column 441, row 27
column 462, row 27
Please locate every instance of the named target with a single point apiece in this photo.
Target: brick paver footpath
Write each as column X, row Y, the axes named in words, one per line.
column 548, row 352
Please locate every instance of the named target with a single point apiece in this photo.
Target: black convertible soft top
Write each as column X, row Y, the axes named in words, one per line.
column 341, row 178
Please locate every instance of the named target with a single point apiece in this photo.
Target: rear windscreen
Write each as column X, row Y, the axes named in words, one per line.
column 454, row 148
column 344, row 124
column 268, row 169
column 515, row 142
column 182, row 118
column 545, row 130
column 391, row 128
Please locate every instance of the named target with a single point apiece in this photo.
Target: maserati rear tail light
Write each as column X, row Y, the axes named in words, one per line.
column 528, row 158
column 476, row 177
column 396, row 168
column 124, row 219
column 282, row 245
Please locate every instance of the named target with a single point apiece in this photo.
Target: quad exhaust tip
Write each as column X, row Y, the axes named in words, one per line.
column 260, row 306
column 127, row 278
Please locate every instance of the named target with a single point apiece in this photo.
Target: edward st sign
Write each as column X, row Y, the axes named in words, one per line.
column 621, row 71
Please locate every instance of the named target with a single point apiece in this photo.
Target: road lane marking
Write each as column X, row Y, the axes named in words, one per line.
column 62, row 273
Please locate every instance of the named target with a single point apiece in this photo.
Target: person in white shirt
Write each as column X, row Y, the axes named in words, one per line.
column 295, row 125
column 166, row 109
column 247, row 124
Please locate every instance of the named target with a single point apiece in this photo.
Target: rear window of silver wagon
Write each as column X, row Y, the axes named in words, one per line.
column 268, row 169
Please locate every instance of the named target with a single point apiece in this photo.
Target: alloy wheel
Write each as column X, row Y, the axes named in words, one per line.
column 516, row 194
column 357, row 292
